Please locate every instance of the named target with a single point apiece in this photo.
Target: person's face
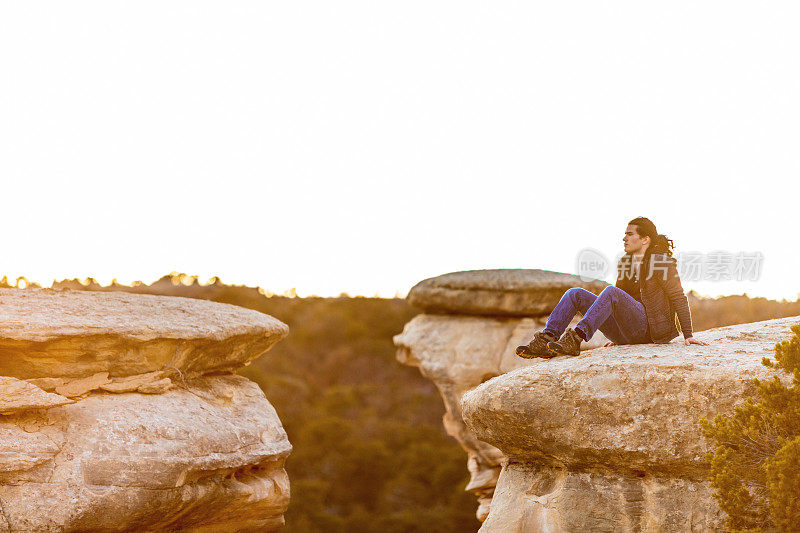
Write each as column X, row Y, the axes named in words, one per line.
column 634, row 244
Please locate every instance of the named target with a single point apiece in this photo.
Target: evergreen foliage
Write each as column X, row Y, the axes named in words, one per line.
column 755, row 464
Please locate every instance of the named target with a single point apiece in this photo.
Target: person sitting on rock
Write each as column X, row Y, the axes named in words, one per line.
column 634, row 311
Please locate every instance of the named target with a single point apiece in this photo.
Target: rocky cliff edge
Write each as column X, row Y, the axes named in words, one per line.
column 610, row 440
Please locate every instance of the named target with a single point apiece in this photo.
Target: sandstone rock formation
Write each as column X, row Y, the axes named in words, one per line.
column 610, row 440
column 119, row 412
column 461, row 349
column 502, row 292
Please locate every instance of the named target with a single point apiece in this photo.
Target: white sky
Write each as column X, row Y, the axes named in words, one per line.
column 362, row 146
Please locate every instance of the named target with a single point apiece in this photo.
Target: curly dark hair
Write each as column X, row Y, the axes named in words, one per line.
column 658, row 243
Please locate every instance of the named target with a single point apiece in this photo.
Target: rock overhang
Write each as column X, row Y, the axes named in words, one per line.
column 47, row 333
column 497, row 292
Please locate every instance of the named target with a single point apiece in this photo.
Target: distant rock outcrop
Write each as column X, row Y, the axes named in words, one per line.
column 502, row 292
column 472, row 324
column 610, row 440
column 120, row 412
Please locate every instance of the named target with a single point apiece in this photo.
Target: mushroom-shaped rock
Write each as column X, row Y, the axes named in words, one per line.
column 136, row 436
column 613, row 436
column 458, row 351
column 501, row 292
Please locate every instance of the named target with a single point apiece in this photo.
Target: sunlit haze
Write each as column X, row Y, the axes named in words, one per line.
column 360, row 147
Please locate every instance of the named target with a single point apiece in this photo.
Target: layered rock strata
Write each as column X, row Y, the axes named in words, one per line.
column 120, row 412
column 610, row 440
column 472, row 323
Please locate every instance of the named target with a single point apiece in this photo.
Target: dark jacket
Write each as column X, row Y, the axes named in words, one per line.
column 662, row 296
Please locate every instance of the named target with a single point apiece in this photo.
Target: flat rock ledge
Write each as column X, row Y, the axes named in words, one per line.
column 610, row 440
column 120, row 412
column 500, row 292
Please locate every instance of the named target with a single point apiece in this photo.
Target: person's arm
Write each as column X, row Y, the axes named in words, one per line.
column 671, row 282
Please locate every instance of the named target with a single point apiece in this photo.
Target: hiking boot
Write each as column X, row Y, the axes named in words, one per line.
column 537, row 347
column 568, row 344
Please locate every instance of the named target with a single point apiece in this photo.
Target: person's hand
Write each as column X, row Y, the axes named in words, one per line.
column 692, row 340
column 609, row 343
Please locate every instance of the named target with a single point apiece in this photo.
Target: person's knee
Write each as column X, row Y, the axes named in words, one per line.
column 575, row 292
column 611, row 291
column 581, row 298
column 574, row 295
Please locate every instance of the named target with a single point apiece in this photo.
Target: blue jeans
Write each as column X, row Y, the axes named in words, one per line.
column 614, row 312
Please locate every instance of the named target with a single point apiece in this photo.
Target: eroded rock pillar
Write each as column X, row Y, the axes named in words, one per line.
column 471, row 324
column 120, row 412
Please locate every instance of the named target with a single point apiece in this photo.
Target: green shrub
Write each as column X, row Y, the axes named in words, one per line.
column 755, row 464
